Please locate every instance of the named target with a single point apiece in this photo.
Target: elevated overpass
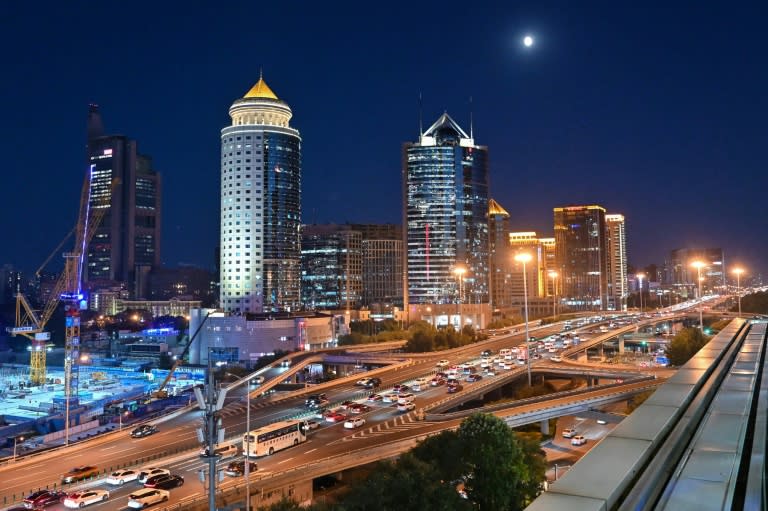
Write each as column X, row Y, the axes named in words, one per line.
column 698, row 443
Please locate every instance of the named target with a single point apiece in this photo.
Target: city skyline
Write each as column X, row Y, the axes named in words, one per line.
column 648, row 137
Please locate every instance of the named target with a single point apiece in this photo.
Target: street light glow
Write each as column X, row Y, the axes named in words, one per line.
column 523, row 257
column 528, row 41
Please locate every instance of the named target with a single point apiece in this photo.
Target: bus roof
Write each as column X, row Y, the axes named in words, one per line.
column 275, row 425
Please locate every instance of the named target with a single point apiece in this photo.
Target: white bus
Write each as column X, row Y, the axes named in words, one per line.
column 265, row 441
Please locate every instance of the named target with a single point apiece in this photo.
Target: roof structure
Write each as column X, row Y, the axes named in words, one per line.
column 261, row 90
column 445, row 122
column 494, row 208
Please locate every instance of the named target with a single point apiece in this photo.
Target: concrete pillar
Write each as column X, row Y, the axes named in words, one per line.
column 621, row 344
column 545, row 427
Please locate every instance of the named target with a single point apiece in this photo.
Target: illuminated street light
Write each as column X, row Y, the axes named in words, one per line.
column 15, row 440
column 553, row 275
column 640, row 277
column 738, row 272
column 699, row 265
column 525, row 258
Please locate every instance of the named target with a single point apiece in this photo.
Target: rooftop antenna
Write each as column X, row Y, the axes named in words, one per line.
column 421, row 124
column 471, row 118
column 261, row 72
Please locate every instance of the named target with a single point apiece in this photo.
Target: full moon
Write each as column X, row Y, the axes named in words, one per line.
column 528, row 41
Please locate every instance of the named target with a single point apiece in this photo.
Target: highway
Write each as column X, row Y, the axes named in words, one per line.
column 175, row 446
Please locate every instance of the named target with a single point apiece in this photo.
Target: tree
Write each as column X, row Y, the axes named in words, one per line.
column 684, row 345
column 420, row 342
column 756, row 303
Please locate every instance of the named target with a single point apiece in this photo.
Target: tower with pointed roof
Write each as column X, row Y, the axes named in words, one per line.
column 445, row 197
column 260, row 254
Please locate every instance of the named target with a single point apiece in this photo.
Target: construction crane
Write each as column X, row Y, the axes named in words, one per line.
column 161, row 393
column 30, row 323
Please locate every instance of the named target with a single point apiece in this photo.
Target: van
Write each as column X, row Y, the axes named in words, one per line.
column 505, row 353
column 222, row 451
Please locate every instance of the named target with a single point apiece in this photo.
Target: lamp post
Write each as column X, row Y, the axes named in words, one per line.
column 15, row 440
column 524, row 258
column 738, row 272
column 248, row 447
column 460, row 274
column 699, row 265
column 553, row 275
column 640, row 277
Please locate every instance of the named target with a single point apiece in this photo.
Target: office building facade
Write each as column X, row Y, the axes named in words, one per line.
column 128, row 237
column 501, row 256
column 580, row 255
column 331, row 267
column 445, row 197
column 684, row 276
column 616, row 262
column 260, row 245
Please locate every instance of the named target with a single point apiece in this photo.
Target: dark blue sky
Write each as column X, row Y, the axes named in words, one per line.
column 656, row 113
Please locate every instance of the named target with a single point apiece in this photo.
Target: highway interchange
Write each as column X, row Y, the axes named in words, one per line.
column 176, row 447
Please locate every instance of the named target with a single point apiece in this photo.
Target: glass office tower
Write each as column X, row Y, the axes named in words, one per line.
column 445, row 196
column 260, row 258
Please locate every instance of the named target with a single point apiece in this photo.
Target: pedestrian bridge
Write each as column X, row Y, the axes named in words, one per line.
column 699, row 442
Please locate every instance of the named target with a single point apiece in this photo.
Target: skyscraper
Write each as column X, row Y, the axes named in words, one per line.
column 616, row 259
column 445, row 197
column 128, row 237
column 501, row 256
column 580, row 255
column 332, row 267
column 260, row 206
column 684, row 275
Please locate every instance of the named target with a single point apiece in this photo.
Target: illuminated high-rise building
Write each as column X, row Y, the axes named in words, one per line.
column 501, row 256
column 616, row 261
column 260, row 254
column 126, row 244
column 445, row 197
column 580, row 255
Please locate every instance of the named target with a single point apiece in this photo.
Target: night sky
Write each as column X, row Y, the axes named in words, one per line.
column 656, row 113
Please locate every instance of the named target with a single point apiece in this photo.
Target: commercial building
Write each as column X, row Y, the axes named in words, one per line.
column 382, row 266
column 126, row 243
column 260, row 253
column 501, row 256
column 331, row 267
column 616, row 262
column 197, row 283
column 580, row 255
column 445, row 198
column 684, row 276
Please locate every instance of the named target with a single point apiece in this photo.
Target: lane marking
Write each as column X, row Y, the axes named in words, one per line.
column 311, row 450
column 279, row 462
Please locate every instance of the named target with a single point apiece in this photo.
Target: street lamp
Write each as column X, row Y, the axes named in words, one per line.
column 460, row 275
column 553, row 275
column 738, row 272
column 640, row 277
column 15, row 440
column 699, row 265
column 524, row 258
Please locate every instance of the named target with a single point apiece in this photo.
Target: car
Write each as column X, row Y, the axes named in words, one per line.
column 43, row 498
column 420, row 384
column 391, row 397
column 237, row 468
column 354, row 423
column 80, row 473
column 147, row 497
column 222, row 451
column 473, row 378
column 456, row 387
column 490, row 372
column 144, row 430
column 359, row 408
column 310, row 425
column 406, row 407
column 441, row 374
column 602, row 421
column 375, row 397
column 405, row 398
column 401, row 387
column 335, row 417
column 122, row 476
column 165, row 481
column 363, row 382
column 569, row 433
column 346, row 404
column 85, row 497
column 257, row 380
column 373, row 383
column 486, row 353
column 437, row 381
column 316, row 400
column 147, row 472
column 578, row 440
column 443, row 363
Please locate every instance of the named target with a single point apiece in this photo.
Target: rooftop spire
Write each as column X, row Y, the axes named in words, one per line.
column 261, row 89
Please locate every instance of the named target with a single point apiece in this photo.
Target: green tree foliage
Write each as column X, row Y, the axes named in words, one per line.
column 685, row 345
column 756, row 303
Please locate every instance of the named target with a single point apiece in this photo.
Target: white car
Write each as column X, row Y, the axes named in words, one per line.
column 122, row 476
column 443, row 363
column 354, row 423
column 146, row 497
column 363, row 382
column 147, row 472
column 85, row 497
column 391, row 397
column 420, row 384
column 569, row 433
column 406, row 407
column 556, row 358
column 578, row 440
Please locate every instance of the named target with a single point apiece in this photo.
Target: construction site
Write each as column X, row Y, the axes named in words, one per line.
column 59, row 394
